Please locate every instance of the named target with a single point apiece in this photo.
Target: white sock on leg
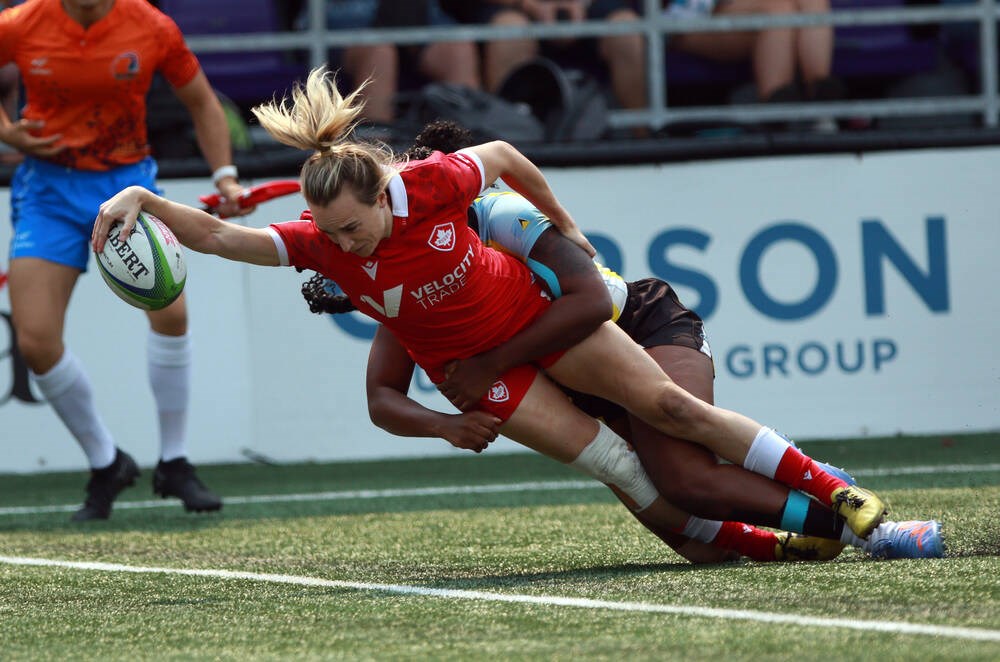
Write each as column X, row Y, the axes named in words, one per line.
column 169, row 362
column 67, row 388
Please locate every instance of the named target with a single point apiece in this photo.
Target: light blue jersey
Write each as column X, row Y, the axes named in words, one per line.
column 511, row 224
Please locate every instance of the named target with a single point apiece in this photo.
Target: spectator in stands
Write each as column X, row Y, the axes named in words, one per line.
column 781, row 56
column 384, row 64
column 622, row 55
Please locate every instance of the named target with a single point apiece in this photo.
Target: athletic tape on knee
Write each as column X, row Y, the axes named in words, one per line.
column 609, row 459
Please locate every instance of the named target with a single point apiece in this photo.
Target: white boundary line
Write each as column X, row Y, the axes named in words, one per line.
column 544, row 600
column 536, row 486
column 540, row 486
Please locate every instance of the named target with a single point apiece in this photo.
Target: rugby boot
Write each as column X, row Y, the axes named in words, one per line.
column 862, row 510
column 797, row 547
column 907, row 540
column 177, row 478
column 842, row 474
column 105, row 485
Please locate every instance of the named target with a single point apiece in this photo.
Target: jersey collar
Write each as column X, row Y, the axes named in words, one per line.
column 397, row 196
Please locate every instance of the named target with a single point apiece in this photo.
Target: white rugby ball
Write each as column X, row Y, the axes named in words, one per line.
column 146, row 270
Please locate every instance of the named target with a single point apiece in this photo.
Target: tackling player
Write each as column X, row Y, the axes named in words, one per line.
column 396, row 239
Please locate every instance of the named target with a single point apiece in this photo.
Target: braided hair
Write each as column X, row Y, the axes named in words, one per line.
column 323, row 296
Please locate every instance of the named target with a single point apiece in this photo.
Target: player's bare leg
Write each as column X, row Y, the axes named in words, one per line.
column 616, row 369
column 40, row 291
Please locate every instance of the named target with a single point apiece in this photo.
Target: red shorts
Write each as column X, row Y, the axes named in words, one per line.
column 507, row 392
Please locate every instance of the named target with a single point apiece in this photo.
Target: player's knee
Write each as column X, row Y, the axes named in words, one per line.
column 170, row 321
column 609, row 459
column 679, row 408
column 38, row 349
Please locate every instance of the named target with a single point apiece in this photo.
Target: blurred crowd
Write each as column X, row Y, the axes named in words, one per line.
column 782, row 65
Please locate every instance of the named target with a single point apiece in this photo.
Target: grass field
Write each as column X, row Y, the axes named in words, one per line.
column 483, row 557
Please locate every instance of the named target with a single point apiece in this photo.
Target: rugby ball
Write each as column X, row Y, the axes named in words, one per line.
column 147, row 269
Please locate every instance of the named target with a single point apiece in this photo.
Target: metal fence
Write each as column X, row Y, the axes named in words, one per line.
column 316, row 40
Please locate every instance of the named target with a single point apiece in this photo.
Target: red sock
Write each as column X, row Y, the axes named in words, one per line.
column 799, row 472
column 749, row 541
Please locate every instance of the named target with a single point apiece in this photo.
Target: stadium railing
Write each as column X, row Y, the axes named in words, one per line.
column 316, row 40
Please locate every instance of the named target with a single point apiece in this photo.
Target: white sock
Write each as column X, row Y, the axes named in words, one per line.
column 765, row 452
column 704, row 530
column 881, row 531
column 68, row 390
column 169, row 362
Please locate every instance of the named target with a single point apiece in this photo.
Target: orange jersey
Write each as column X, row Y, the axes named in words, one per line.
column 90, row 85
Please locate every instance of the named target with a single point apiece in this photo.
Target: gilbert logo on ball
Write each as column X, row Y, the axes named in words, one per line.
column 147, row 269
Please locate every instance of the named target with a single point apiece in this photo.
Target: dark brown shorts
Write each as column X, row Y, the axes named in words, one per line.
column 653, row 317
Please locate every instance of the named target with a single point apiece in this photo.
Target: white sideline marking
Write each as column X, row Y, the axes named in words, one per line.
column 544, row 600
column 537, row 486
column 336, row 496
column 929, row 469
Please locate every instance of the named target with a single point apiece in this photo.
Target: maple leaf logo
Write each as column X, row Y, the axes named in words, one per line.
column 442, row 237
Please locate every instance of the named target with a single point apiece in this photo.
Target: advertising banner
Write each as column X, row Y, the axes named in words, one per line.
column 843, row 296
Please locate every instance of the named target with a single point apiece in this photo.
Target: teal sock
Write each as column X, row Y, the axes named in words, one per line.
column 793, row 517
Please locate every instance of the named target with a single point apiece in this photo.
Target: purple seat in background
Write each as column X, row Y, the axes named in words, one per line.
column 879, row 50
column 859, row 51
column 961, row 41
column 245, row 77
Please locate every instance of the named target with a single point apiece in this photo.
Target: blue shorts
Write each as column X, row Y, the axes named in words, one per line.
column 53, row 208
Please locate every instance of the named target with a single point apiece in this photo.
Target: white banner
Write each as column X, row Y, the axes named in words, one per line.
column 842, row 296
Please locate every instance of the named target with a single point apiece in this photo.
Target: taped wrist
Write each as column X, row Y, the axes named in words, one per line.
column 609, row 459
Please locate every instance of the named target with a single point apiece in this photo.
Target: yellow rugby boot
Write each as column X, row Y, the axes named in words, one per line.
column 797, row 547
column 862, row 510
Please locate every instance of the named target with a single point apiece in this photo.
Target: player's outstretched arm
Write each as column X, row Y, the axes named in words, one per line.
column 194, row 228
column 390, row 369
column 501, row 160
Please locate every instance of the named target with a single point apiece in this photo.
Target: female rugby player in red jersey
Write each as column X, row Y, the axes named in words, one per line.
column 395, row 238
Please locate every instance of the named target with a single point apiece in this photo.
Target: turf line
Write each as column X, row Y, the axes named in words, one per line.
column 543, row 600
column 447, row 490
column 537, row 486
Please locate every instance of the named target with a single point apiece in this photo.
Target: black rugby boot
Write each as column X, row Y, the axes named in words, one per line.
column 105, row 484
column 177, row 478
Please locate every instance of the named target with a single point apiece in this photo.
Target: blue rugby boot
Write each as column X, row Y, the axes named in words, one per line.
column 837, row 471
column 828, row 468
column 907, row 540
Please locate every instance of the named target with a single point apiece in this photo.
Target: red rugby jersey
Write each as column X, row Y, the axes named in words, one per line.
column 432, row 282
column 90, row 85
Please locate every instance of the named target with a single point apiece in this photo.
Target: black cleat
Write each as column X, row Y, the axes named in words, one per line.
column 177, row 478
column 105, row 484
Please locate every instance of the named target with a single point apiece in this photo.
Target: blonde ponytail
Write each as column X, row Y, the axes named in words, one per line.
column 319, row 118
